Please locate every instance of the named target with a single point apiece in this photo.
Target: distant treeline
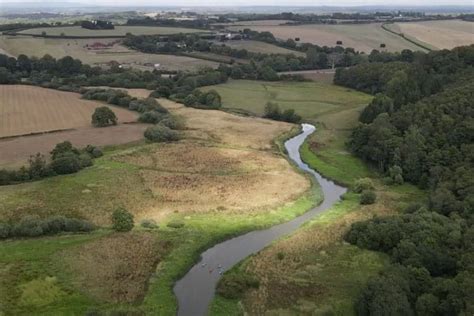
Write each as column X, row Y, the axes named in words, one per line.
column 97, row 25
column 419, row 128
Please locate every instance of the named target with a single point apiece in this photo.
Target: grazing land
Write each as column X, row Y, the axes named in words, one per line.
column 117, row 31
column 29, row 110
column 309, row 99
column 437, row 34
column 261, row 47
column 361, row 37
column 82, row 49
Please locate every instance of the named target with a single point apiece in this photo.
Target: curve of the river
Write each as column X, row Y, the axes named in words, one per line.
column 196, row 289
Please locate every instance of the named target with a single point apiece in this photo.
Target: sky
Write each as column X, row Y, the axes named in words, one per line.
column 261, row 2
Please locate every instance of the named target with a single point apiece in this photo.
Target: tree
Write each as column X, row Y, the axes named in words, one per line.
column 160, row 133
column 380, row 104
column 103, row 116
column 368, row 197
column 122, row 220
column 66, row 163
column 272, row 111
column 63, row 148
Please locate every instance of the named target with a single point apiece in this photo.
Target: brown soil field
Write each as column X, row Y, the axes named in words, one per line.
column 361, row 37
column 28, row 109
column 115, row 268
column 16, row 151
column 440, row 34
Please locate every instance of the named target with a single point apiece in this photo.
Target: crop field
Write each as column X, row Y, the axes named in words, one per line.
column 309, row 99
column 261, row 47
column 438, row 34
column 361, row 37
column 80, row 48
column 118, row 31
column 29, row 109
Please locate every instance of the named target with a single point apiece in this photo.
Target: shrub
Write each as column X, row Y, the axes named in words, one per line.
column 280, row 256
column 85, row 160
column 160, row 133
column 28, row 227
column 103, row 116
column 368, row 197
column 61, row 148
column 233, row 286
column 93, row 151
column 4, row 230
column 122, row 220
column 149, row 223
column 190, row 100
column 173, row 122
column 175, row 224
column 66, row 163
column 363, row 184
column 152, row 117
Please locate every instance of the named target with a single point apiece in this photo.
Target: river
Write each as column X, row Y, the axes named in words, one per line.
column 196, row 289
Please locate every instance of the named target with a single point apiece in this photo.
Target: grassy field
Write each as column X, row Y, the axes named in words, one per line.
column 437, row 34
column 78, row 48
column 313, row 271
column 261, row 47
column 361, row 37
column 53, row 274
column 29, row 109
column 118, row 31
column 309, row 99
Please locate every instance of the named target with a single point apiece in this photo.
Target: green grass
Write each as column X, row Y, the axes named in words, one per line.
column 309, row 99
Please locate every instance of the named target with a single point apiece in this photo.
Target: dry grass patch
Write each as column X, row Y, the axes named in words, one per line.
column 115, row 268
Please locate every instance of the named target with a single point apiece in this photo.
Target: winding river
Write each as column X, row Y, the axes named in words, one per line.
column 196, row 289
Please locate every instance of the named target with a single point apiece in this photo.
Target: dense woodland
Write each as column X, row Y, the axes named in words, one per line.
column 419, row 128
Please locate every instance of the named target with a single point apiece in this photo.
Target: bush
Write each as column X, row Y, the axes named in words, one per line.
column 148, row 223
column 4, row 230
column 28, row 227
column 233, row 286
column 160, row 133
column 363, row 184
column 103, row 116
column 61, row 148
column 122, row 220
column 175, row 224
column 66, row 163
column 85, row 160
column 93, row 151
column 173, row 122
column 152, row 117
column 368, row 197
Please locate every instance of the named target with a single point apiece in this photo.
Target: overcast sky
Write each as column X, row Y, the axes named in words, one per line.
column 261, row 2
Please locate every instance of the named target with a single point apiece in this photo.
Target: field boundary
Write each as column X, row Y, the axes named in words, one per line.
column 39, row 133
column 383, row 25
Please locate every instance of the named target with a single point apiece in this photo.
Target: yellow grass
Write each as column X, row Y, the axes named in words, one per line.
column 439, row 34
column 29, row 109
column 117, row 31
column 362, row 37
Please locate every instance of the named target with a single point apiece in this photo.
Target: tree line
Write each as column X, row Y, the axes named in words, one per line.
column 419, row 128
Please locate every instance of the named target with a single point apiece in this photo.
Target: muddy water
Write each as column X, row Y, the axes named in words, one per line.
column 196, row 289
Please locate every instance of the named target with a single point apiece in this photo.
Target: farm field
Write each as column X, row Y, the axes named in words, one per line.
column 118, row 31
column 16, row 45
column 309, row 99
column 438, row 34
column 361, row 37
column 254, row 23
column 261, row 47
column 30, row 109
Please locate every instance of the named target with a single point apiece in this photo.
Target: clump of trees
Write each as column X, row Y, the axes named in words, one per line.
column 35, row 227
column 273, row 111
column 65, row 159
column 103, row 116
column 418, row 129
column 160, row 133
column 203, row 100
column 122, row 220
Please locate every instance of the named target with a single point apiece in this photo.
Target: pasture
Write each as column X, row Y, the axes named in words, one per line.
column 361, row 37
column 117, row 31
column 437, row 34
column 30, row 109
column 309, row 99
column 81, row 49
